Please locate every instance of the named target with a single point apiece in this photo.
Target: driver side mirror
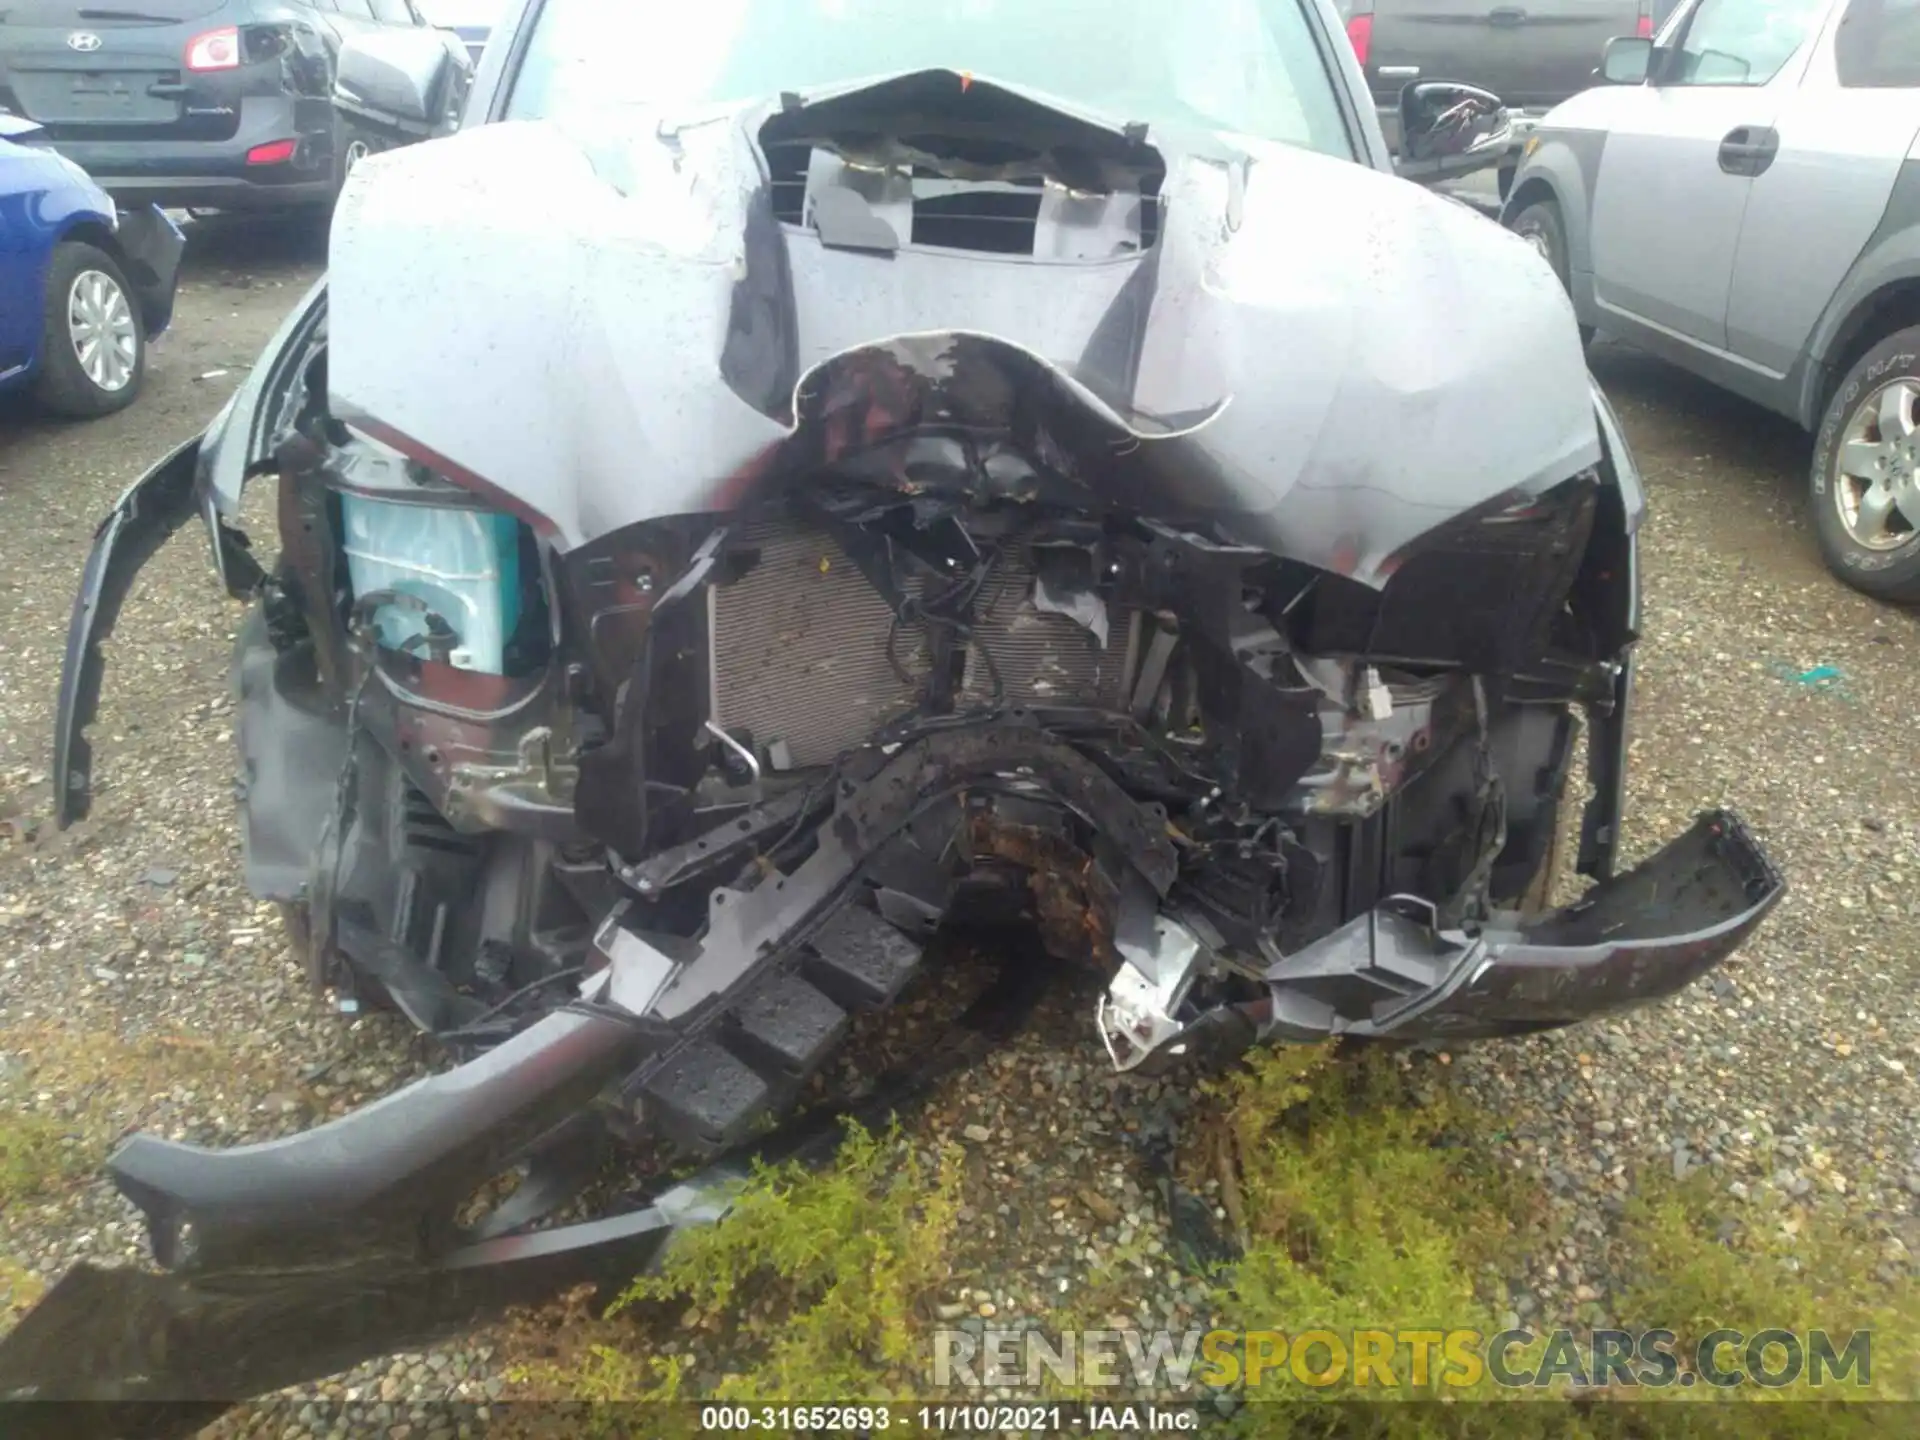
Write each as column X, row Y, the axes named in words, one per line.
column 1627, row 60
column 403, row 85
column 1446, row 121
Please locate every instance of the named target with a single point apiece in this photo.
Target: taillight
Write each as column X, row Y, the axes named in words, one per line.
column 1645, row 28
column 274, row 152
column 1360, row 35
column 215, row 50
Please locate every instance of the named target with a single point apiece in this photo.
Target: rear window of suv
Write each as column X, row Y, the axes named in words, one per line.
column 106, row 16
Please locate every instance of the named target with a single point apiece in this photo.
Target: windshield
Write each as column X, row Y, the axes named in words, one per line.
column 1249, row 67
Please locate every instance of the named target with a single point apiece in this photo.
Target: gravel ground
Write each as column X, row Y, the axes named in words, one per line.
column 139, row 985
column 1791, row 1070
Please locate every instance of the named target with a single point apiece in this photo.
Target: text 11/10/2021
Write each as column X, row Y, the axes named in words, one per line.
column 961, row 1419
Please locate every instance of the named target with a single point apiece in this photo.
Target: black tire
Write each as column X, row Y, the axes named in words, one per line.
column 1893, row 572
column 64, row 386
column 1540, row 224
column 358, row 147
column 315, row 217
column 1503, row 177
column 350, row 147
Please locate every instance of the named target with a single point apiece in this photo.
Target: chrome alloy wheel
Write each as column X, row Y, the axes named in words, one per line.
column 1875, row 490
column 101, row 327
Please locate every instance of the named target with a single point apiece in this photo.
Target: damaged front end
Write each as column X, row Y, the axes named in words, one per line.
column 628, row 717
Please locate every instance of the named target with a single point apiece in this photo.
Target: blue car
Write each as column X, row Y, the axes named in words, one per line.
column 82, row 286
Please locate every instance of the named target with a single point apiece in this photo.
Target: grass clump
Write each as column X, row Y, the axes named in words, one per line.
column 818, row 1277
column 107, row 1084
column 1703, row 1261
column 827, row 1269
column 37, row 1157
column 20, row 1291
column 1699, row 1261
column 1365, row 1205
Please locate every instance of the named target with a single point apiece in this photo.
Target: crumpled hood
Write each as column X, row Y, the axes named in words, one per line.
column 613, row 328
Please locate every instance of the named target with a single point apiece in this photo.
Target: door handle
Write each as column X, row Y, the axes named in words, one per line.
column 1749, row 149
column 1399, row 72
column 1507, row 15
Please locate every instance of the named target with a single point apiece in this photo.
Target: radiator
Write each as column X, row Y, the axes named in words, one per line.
column 799, row 648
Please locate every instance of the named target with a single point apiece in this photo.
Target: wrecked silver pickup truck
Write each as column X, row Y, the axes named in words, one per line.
column 900, row 471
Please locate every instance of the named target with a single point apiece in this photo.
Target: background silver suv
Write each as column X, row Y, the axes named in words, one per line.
column 1744, row 200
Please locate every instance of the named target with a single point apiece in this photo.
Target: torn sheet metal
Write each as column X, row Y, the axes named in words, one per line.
column 1239, row 370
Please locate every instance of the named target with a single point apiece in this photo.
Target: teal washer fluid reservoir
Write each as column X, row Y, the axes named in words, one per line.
column 465, row 564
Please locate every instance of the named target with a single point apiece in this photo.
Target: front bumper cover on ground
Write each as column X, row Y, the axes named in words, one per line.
column 350, row 1227
column 198, row 1339
column 1394, row 974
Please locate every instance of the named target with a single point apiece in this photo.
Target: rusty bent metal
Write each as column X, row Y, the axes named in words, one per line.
column 627, row 717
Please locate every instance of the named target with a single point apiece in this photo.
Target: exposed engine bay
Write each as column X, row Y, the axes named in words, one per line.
column 630, row 771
